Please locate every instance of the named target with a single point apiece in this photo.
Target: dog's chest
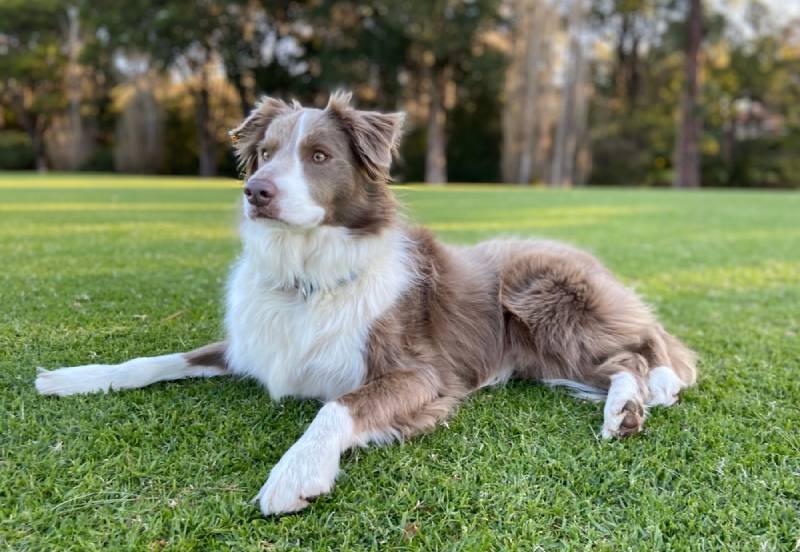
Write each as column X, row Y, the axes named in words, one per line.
column 308, row 347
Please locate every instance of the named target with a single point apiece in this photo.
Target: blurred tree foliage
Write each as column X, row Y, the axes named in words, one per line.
column 176, row 75
column 750, row 91
column 32, row 67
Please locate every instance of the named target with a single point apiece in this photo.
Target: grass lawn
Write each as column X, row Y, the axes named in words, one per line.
column 104, row 268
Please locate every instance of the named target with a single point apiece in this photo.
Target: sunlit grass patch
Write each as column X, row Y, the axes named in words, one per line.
column 155, row 229
column 89, row 181
column 516, row 220
column 111, row 206
column 720, row 279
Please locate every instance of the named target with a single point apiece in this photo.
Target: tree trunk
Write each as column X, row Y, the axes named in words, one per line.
column 687, row 154
column 627, row 73
column 36, row 132
column 583, row 146
column 728, row 150
column 573, row 109
column 532, row 56
column 34, row 125
column 207, row 150
column 241, row 90
column 528, row 94
column 513, row 86
column 633, row 72
column 76, row 139
column 436, row 150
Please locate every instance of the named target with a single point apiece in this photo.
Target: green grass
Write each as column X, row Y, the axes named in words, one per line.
column 101, row 267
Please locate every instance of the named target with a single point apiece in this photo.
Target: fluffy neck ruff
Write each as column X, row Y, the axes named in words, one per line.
column 321, row 259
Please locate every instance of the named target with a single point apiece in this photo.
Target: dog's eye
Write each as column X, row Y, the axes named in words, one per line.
column 265, row 155
column 319, row 157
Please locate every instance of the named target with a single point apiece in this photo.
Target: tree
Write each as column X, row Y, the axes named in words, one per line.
column 32, row 65
column 572, row 120
column 687, row 146
column 424, row 42
column 249, row 37
column 636, row 77
column 533, row 26
column 195, row 39
column 360, row 45
column 439, row 35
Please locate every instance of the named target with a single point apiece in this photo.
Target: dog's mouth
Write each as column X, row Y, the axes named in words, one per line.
column 263, row 212
column 271, row 216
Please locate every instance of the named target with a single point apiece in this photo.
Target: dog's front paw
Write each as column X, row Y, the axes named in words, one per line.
column 304, row 473
column 74, row 381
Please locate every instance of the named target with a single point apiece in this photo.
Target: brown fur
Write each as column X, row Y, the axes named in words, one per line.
column 543, row 310
column 438, row 343
column 374, row 137
column 212, row 354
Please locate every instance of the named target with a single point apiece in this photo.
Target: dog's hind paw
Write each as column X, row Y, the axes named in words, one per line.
column 627, row 421
column 624, row 411
column 664, row 385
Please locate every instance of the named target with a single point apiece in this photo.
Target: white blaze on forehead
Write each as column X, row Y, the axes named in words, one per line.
column 297, row 135
column 296, row 205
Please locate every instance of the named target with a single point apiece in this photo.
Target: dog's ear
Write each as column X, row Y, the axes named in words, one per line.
column 250, row 132
column 374, row 136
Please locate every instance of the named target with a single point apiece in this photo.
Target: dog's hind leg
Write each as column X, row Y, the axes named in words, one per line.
column 624, row 410
column 672, row 368
column 206, row 361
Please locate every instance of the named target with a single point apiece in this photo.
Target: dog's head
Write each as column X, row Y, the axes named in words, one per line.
column 309, row 167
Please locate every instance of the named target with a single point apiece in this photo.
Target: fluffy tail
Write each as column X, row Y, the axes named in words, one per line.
column 579, row 390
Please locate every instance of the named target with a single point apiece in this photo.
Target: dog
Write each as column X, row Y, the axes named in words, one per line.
column 336, row 298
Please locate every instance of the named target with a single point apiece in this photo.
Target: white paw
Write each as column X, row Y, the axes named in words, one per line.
column 623, row 413
column 664, row 386
column 306, row 471
column 70, row 381
column 611, row 423
column 626, row 421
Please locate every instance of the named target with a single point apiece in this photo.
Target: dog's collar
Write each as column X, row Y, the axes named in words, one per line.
column 307, row 288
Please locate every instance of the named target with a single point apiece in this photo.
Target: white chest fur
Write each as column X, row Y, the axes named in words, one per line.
column 310, row 347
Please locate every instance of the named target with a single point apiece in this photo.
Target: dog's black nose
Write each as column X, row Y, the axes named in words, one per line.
column 259, row 191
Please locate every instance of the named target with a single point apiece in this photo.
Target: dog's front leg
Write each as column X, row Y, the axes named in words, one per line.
column 392, row 406
column 204, row 362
